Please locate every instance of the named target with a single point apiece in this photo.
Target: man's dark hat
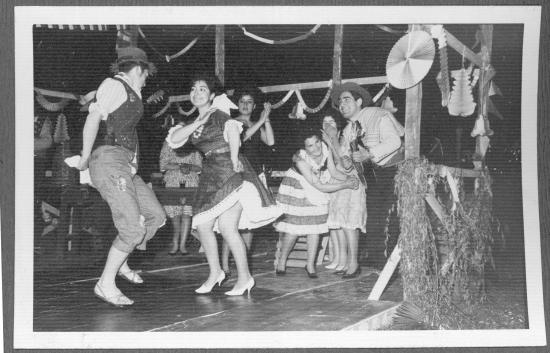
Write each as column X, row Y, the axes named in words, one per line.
column 350, row 87
column 132, row 54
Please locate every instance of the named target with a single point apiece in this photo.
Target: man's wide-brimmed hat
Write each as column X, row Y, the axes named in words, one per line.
column 132, row 54
column 337, row 90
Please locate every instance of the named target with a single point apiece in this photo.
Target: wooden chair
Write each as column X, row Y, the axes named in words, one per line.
column 298, row 255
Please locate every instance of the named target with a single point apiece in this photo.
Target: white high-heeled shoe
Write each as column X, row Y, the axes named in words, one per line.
column 205, row 289
column 247, row 288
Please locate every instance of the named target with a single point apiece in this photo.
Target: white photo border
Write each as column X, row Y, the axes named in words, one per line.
column 27, row 16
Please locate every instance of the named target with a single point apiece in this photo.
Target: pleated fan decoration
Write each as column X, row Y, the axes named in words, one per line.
column 410, row 59
column 461, row 101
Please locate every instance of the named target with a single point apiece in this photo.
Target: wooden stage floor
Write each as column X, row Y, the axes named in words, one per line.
column 167, row 301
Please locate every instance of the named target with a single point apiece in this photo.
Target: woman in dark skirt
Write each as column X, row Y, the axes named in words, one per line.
column 230, row 195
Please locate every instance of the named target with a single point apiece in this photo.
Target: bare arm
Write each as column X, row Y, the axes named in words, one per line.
column 335, row 172
column 234, row 141
column 184, row 132
column 89, row 133
column 307, row 173
column 267, row 134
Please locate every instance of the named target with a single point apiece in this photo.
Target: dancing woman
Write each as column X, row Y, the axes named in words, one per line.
column 230, row 195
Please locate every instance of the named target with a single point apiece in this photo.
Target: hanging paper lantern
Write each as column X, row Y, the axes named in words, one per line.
column 461, row 102
column 410, row 59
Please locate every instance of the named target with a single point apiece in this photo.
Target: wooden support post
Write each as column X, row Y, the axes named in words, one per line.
column 386, row 274
column 413, row 112
column 337, row 56
column 436, row 207
column 220, row 53
column 486, row 39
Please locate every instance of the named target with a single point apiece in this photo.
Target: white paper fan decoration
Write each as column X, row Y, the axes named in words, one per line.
column 410, row 59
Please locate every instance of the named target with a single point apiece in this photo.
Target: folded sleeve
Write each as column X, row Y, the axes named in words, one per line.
column 109, row 97
column 390, row 140
column 232, row 123
column 169, row 137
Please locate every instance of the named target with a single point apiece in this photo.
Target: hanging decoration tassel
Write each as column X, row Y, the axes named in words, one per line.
column 461, row 102
column 387, row 104
column 51, row 106
column 475, row 76
column 61, row 133
column 442, row 78
column 297, row 112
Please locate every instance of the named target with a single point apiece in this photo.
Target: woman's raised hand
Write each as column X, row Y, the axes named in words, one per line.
column 326, row 138
column 265, row 113
column 330, row 131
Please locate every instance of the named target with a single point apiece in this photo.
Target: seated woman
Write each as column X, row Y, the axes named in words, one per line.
column 230, row 195
column 303, row 196
column 180, row 168
column 254, row 135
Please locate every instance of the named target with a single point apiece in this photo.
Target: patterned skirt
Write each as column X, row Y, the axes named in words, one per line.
column 220, row 188
column 305, row 209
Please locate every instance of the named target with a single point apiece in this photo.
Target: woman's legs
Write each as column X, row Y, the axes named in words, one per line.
column 225, row 256
column 343, row 257
column 228, row 223
column 312, row 246
column 176, row 229
column 287, row 243
column 185, row 230
column 334, row 247
column 352, row 237
column 247, row 238
column 210, row 246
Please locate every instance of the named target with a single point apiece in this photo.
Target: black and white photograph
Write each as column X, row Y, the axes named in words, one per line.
column 277, row 177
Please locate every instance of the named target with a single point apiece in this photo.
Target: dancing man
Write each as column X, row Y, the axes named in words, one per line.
column 110, row 148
